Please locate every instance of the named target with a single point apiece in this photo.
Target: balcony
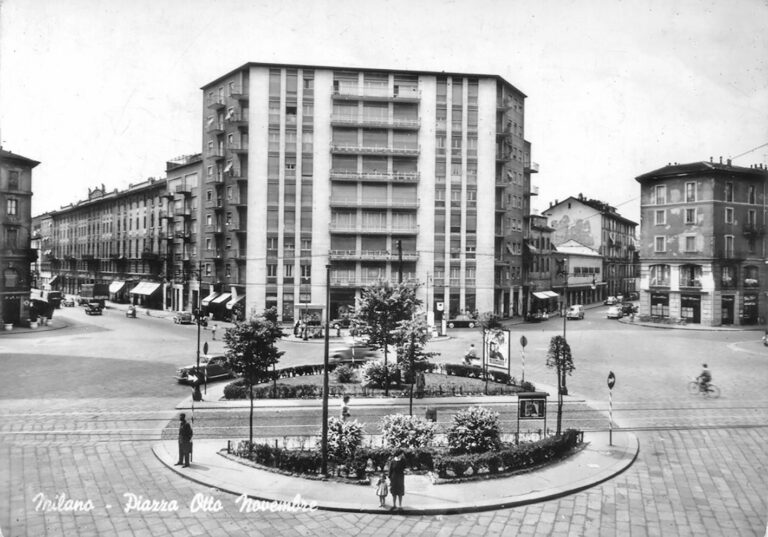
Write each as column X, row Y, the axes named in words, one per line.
column 533, row 192
column 239, row 200
column 169, row 195
column 336, row 227
column 400, row 150
column 184, row 236
column 237, row 92
column 215, row 128
column 236, row 253
column 531, row 167
column 184, row 189
column 214, row 203
column 344, row 120
column 379, row 177
column 240, row 149
column 215, row 154
column 753, row 230
column 236, row 226
column 216, row 178
column 237, row 120
column 370, row 255
column 184, row 213
column 399, row 203
column 217, row 103
column 150, row 256
column 354, row 93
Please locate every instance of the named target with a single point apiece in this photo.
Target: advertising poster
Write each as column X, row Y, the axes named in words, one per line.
column 497, row 349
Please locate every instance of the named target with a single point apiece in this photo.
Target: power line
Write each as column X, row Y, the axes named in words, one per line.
column 750, row 151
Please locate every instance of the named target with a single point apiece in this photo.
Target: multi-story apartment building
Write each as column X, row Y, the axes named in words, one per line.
column 578, row 275
column 539, row 267
column 42, row 238
column 597, row 225
column 703, row 246
column 376, row 173
column 16, row 223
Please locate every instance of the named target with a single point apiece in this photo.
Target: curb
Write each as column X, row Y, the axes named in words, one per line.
column 689, row 327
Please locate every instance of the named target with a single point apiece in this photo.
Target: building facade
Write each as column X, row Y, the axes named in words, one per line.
column 539, row 267
column 599, row 226
column 703, row 246
column 379, row 174
column 578, row 276
column 15, row 249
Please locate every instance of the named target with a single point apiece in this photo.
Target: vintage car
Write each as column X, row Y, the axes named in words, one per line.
column 344, row 322
column 614, row 312
column 355, row 351
column 462, row 321
column 212, row 367
column 68, row 302
column 183, row 317
column 627, row 308
column 576, row 311
column 610, row 301
column 93, row 308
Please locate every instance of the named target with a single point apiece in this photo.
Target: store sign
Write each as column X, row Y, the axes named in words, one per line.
column 532, row 408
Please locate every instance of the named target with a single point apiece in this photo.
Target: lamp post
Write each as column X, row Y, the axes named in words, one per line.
column 324, row 439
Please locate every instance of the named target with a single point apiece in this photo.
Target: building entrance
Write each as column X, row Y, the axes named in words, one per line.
column 727, row 309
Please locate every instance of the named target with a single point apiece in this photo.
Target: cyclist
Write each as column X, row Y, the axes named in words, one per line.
column 704, row 378
column 470, row 355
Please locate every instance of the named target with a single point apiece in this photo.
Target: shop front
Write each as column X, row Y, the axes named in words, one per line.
column 727, row 308
column 749, row 313
column 660, row 305
column 146, row 294
column 690, row 308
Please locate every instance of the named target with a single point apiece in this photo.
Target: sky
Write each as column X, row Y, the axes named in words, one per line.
column 106, row 92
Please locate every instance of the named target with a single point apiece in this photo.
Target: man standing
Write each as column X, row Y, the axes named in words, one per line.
column 345, row 408
column 185, row 441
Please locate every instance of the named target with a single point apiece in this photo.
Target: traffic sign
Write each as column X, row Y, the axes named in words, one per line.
column 523, row 341
column 611, row 380
column 440, row 306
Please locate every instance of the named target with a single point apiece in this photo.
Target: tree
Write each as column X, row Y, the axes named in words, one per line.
column 411, row 337
column 380, row 309
column 252, row 349
column 559, row 357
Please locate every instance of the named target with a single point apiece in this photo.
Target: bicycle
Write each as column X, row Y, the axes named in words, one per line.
column 711, row 391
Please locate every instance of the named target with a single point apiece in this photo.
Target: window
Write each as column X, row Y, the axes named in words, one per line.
column 12, row 207
column 658, row 195
column 207, row 269
column 690, row 244
column 209, row 220
column 690, row 192
column 690, row 216
column 728, row 191
column 659, row 275
column 306, row 272
column 751, row 194
column 660, row 244
column 208, row 244
column 751, row 217
column 12, row 238
column 271, row 270
column 306, row 244
column 729, row 215
column 13, row 180
column 729, row 246
column 660, row 217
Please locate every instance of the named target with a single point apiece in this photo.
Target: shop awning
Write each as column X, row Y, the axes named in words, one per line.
column 233, row 301
column 221, row 299
column 54, row 280
column 145, row 288
column 551, row 294
column 116, row 286
column 207, row 300
column 541, row 296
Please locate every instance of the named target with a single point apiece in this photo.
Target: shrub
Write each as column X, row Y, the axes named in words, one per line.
column 236, row 390
column 374, row 374
column 461, row 370
column 474, row 430
column 401, row 431
column 528, row 386
column 344, row 437
column 345, row 374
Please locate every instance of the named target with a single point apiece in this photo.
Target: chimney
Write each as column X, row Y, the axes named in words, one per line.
column 711, row 159
column 729, row 162
column 721, row 160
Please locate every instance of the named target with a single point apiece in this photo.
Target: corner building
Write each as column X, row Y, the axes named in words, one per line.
column 376, row 173
column 703, row 248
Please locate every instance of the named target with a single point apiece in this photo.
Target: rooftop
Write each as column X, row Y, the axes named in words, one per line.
column 677, row 169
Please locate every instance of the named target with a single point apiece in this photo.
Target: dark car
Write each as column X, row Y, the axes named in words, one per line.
column 462, row 321
column 633, row 296
column 627, row 308
column 183, row 317
column 93, row 308
column 353, row 352
column 345, row 322
column 212, row 366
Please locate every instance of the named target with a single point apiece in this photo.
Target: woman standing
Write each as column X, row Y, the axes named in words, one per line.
column 397, row 479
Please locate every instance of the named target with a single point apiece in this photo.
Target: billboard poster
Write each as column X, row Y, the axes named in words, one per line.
column 497, row 349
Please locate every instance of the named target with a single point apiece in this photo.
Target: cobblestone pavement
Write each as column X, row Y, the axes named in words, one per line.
column 709, row 481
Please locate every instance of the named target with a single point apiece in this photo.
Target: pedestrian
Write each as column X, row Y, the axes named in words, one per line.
column 213, row 330
column 345, row 408
column 382, row 490
column 397, row 479
column 185, row 441
column 420, row 384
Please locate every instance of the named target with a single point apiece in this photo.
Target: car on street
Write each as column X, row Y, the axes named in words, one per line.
column 356, row 351
column 183, row 317
column 93, row 308
column 212, row 366
column 610, row 301
column 68, row 302
column 614, row 312
column 344, row 322
column 462, row 321
column 633, row 296
column 576, row 311
column 627, row 308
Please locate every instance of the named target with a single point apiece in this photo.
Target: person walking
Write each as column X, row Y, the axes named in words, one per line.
column 213, row 330
column 397, row 479
column 420, row 384
column 345, row 408
column 185, row 441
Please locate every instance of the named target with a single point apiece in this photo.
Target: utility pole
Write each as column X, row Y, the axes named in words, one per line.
column 399, row 261
column 324, row 439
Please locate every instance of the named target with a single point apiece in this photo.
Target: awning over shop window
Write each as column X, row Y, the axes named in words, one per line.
column 221, row 299
column 116, row 286
column 207, row 300
column 232, row 302
column 551, row 294
column 145, row 288
column 542, row 296
column 54, row 280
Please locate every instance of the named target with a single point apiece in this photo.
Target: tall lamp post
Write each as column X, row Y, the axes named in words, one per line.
column 324, row 439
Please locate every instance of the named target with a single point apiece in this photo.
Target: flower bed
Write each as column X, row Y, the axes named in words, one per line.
column 445, row 466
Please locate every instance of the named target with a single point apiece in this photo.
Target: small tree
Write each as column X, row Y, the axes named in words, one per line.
column 252, row 349
column 411, row 337
column 344, row 437
column 559, row 357
column 402, row 431
column 379, row 310
column 475, row 430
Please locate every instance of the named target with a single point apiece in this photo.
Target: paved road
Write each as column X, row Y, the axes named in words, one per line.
column 85, row 403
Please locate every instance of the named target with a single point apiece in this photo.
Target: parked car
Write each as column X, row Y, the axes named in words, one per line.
column 356, row 351
column 575, row 312
column 131, row 312
column 627, row 308
column 68, row 302
column 93, row 308
column 633, row 296
column 610, row 301
column 344, row 322
column 462, row 321
column 212, row 367
column 183, row 317
column 614, row 312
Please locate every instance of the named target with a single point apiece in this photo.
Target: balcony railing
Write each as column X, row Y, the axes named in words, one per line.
column 210, row 204
column 238, row 93
column 531, row 167
column 215, row 178
column 397, row 94
column 399, row 203
column 406, row 150
column 184, row 189
column 213, row 229
column 238, row 148
column 215, row 128
column 753, row 230
column 370, row 255
column 353, row 228
column 216, row 103
column 383, row 122
column 215, row 154
column 395, row 177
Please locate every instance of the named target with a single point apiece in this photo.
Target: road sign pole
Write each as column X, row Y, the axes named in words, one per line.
column 610, row 417
column 523, row 343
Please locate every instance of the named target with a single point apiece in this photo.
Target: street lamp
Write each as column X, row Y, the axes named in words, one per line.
column 324, row 439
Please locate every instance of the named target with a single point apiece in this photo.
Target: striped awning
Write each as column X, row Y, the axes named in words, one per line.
column 207, row 300
column 116, row 286
column 145, row 288
column 221, row 299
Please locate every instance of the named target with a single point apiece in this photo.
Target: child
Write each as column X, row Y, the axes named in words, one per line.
column 381, row 489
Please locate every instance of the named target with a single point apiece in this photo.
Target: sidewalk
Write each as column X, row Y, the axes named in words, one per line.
column 596, row 463
column 740, row 328
column 56, row 324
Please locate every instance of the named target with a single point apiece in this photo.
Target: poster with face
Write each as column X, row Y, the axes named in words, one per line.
column 497, row 349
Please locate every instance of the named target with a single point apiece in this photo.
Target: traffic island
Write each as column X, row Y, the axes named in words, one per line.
column 596, row 463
